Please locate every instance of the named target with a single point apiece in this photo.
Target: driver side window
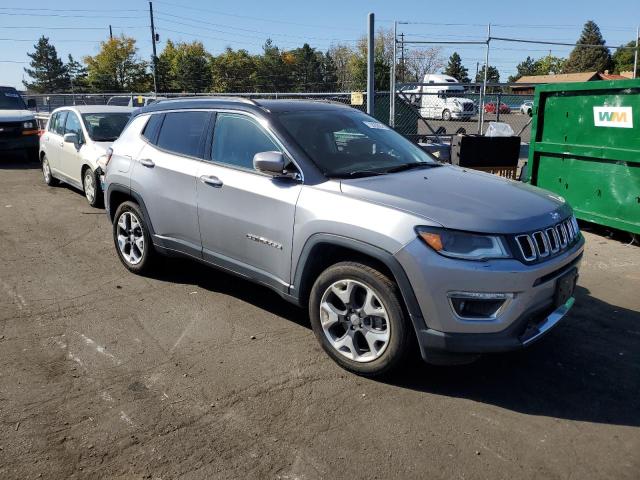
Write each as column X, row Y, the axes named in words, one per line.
column 237, row 138
column 73, row 126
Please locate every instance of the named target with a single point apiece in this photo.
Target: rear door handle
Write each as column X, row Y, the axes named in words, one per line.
column 211, row 180
column 147, row 162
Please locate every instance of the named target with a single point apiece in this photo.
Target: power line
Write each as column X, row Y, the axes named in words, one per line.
column 191, row 19
column 61, row 40
column 63, row 15
column 75, row 28
column 71, row 9
column 270, row 20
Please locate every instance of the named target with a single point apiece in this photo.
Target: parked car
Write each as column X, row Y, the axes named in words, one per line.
column 75, row 142
column 445, row 99
column 18, row 126
column 337, row 212
column 133, row 100
column 527, row 107
column 490, row 107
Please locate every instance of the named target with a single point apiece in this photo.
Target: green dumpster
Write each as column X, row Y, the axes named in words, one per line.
column 585, row 146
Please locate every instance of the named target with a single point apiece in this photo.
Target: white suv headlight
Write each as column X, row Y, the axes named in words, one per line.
column 463, row 245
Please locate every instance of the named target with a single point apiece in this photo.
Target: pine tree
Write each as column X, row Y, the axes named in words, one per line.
column 77, row 74
column 456, row 69
column 48, row 72
column 493, row 75
column 589, row 59
column 524, row 68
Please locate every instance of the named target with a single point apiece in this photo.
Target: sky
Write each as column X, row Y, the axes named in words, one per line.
column 77, row 27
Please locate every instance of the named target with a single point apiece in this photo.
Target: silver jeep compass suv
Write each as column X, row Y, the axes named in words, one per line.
column 335, row 211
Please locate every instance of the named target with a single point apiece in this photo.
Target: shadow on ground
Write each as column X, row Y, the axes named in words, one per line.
column 587, row 369
column 17, row 161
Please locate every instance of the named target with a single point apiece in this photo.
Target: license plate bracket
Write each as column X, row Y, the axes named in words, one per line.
column 565, row 286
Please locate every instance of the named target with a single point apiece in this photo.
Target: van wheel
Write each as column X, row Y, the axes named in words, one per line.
column 357, row 317
column 46, row 172
column 446, row 115
column 132, row 238
column 92, row 190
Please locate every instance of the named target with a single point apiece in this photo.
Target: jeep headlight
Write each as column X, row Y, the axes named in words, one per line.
column 463, row 245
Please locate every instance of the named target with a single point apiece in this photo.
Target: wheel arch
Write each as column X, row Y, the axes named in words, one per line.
column 323, row 250
column 117, row 194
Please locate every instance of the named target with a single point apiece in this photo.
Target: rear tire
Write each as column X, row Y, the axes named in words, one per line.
column 46, row 172
column 132, row 238
column 357, row 317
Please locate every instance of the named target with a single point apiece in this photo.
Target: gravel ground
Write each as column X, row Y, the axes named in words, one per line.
column 195, row 374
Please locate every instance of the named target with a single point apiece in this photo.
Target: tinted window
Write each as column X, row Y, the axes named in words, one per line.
column 150, row 131
column 11, row 100
column 60, row 121
column 73, row 125
column 105, row 127
column 181, row 132
column 237, row 139
column 122, row 101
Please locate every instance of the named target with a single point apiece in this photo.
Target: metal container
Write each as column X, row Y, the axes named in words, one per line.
column 585, row 146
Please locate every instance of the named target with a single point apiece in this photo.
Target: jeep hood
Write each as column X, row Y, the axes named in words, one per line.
column 462, row 199
column 16, row 115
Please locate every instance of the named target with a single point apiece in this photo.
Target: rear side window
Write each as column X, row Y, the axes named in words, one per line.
column 237, row 138
column 61, row 119
column 152, row 127
column 121, row 101
column 182, row 132
column 52, row 122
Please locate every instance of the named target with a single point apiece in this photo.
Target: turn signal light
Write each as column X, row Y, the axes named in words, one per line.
column 433, row 240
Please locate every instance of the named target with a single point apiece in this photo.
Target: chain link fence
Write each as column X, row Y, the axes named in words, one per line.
column 422, row 113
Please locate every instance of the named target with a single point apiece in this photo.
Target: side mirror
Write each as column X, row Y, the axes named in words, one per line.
column 71, row 138
column 269, row 162
column 31, row 103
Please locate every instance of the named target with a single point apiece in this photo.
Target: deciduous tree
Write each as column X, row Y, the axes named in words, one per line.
column 117, row 67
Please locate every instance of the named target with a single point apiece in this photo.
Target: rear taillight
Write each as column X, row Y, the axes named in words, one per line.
column 109, row 155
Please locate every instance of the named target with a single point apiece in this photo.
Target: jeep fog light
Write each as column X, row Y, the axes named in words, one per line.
column 479, row 305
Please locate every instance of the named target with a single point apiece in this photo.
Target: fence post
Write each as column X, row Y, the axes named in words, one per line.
column 392, row 83
column 370, row 65
column 498, row 102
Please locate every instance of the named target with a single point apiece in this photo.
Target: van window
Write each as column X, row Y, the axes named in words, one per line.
column 181, row 132
column 237, row 138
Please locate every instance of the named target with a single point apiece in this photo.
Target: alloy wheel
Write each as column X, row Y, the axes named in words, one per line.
column 130, row 238
column 354, row 320
column 46, row 170
column 89, row 186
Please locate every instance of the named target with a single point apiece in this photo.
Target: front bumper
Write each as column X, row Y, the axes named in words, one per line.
column 462, row 114
column 24, row 142
column 527, row 317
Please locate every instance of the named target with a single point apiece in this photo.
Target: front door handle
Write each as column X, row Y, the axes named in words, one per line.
column 147, row 162
column 211, row 180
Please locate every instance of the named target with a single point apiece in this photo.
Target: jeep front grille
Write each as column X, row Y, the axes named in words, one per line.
column 550, row 241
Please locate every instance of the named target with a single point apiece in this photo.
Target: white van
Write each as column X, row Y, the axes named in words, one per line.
column 445, row 99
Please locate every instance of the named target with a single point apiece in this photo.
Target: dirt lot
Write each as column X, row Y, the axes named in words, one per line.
column 195, row 374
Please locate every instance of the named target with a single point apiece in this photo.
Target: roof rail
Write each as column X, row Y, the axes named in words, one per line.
column 217, row 97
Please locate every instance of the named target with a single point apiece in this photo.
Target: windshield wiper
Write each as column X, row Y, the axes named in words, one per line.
column 359, row 173
column 411, row 166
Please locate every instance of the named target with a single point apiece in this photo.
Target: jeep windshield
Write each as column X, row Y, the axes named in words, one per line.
column 347, row 144
column 105, row 127
column 11, row 100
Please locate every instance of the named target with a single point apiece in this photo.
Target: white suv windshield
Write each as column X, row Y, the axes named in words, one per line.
column 349, row 143
column 105, row 127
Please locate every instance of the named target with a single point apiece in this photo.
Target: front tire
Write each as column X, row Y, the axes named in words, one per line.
column 132, row 238
column 357, row 317
column 446, row 115
column 91, row 187
column 46, row 172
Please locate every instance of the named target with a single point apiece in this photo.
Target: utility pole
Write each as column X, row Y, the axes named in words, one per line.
column 371, row 78
column 392, row 100
column 483, row 92
column 402, row 54
column 635, row 57
column 110, row 33
column 154, row 60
